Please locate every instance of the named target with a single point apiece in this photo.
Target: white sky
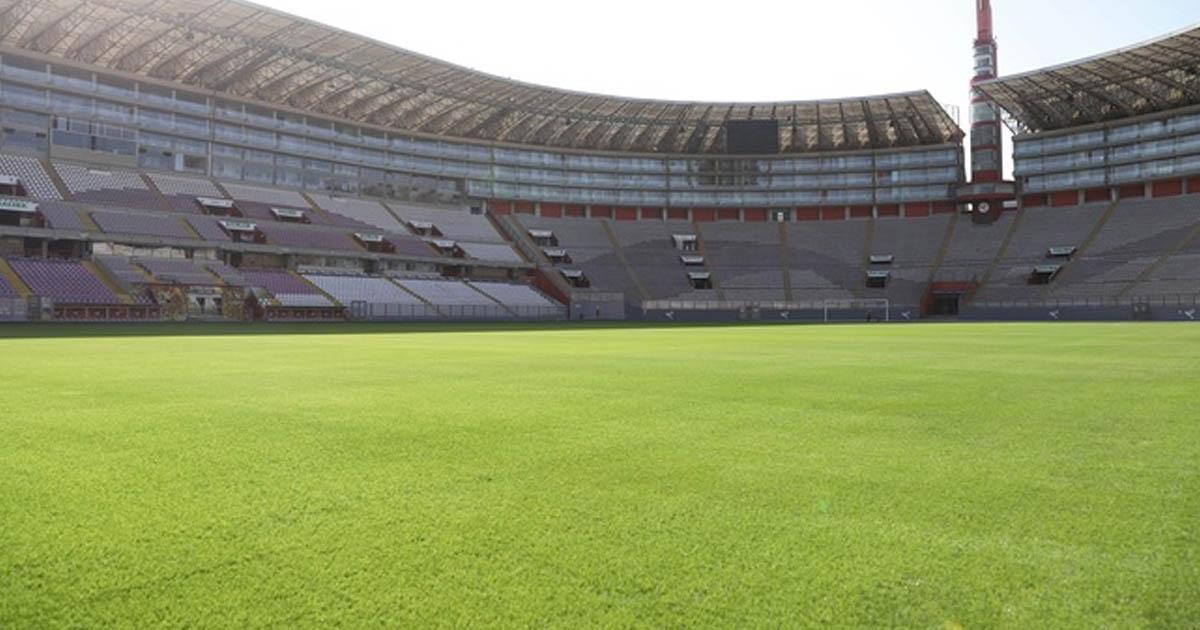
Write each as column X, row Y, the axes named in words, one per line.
column 748, row 51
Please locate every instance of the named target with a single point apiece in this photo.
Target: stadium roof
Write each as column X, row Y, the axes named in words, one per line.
column 1159, row 75
column 241, row 49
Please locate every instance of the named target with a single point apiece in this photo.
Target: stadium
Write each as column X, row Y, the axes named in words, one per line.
column 300, row 328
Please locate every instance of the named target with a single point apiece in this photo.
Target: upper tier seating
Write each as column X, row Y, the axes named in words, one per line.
column 490, row 251
column 455, row 224
column 412, row 246
column 64, row 281
column 286, row 288
column 208, row 228
column 372, row 290
column 60, row 216
column 166, row 226
column 266, row 196
column 33, row 176
column 360, row 212
column 108, row 187
column 179, row 271
column 181, row 191
column 307, row 237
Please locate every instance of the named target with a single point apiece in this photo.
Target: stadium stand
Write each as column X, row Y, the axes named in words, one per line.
column 109, row 187
column 826, row 258
column 179, row 271
column 181, row 192
column 445, row 292
column 123, row 270
column 229, row 275
column 515, row 295
column 6, row 289
column 33, row 177
column 61, row 216
column 208, row 229
column 490, row 251
column 653, row 259
column 64, row 281
column 748, row 259
column 360, row 213
column 286, row 288
column 125, row 223
column 265, row 197
column 372, row 290
column 972, row 248
column 308, row 238
column 863, row 198
column 456, row 224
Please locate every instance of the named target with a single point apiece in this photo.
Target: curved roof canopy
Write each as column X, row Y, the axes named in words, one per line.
column 1159, row 75
column 241, row 49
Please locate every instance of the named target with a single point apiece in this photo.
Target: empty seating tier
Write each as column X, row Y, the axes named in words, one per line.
column 6, row 289
column 360, row 212
column 64, row 281
column 286, row 288
column 454, row 224
column 108, row 187
column 308, row 238
column 446, row 292
column 165, row 226
column 516, row 295
column 179, row 271
column 351, row 289
column 266, row 196
column 33, row 176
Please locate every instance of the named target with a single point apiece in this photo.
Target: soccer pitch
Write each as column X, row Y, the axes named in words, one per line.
column 925, row 475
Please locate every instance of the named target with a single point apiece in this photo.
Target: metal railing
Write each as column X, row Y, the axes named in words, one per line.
column 14, row 310
column 814, row 305
column 1180, row 300
column 462, row 312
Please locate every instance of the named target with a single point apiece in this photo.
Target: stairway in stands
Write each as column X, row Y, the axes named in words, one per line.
column 14, row 279
column 1080, row 251
column 1183, row 243
column 548, row 279
column 944, row 248
column 865, row 262
column 1000, row 253
column 620, row 253
column 785, row 262
column 716, row 282
column 490, row 298
column 108, row 281
column 56, row 179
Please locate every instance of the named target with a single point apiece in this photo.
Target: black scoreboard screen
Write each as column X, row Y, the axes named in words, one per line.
column 751, row 137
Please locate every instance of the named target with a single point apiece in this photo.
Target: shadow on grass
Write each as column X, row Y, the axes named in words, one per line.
column 68, row 330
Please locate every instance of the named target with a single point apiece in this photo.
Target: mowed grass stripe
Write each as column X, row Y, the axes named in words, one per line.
column 1010, row 475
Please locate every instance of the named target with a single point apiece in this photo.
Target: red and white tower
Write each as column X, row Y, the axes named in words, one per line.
column 986, row 151
column 987, row 194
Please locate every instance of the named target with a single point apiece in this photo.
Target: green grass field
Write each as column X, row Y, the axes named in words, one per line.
column 926, row 475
